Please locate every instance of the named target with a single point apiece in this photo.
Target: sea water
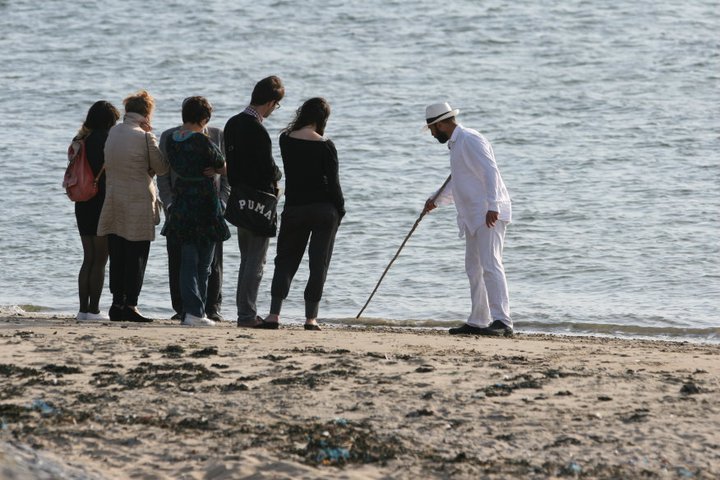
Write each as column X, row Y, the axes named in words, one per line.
column 603, row 116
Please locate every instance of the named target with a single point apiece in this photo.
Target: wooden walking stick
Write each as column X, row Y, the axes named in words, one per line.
column 417, row 222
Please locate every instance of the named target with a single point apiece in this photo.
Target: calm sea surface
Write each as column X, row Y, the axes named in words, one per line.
column 604, row 117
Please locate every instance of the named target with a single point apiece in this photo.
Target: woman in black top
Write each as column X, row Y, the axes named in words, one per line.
column 100, row 118
column 314, row 206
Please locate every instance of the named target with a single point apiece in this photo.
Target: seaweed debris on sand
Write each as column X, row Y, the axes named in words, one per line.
column 100, row 401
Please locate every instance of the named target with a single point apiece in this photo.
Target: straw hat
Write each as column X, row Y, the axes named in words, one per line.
column 439, row 111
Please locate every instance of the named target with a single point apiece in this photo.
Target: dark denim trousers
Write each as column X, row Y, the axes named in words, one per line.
column 195, row 260
column 214, row 289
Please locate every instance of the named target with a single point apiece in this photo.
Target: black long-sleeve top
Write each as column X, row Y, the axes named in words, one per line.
column 311, row 172
column 248, row 153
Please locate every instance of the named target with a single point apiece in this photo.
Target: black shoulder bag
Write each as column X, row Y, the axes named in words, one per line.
column 253, row 210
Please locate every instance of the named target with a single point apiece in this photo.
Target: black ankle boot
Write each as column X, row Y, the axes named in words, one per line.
column 116, row 313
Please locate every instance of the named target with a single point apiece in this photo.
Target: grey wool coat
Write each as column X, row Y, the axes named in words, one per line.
column 132, row 158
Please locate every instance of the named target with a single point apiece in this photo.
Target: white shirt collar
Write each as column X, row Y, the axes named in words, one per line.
column 454, row 136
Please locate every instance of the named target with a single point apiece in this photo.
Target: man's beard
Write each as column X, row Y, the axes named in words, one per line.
column 441, row 137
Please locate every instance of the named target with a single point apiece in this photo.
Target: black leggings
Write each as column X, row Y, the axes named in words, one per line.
column 92, row 272
column 127, row 269
column 318, row 223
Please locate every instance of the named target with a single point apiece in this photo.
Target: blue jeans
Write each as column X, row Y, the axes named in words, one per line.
column 214, row 288
column 195, row 261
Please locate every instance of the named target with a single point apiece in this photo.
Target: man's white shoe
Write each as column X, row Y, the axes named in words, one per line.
column 193, row 321
column 81, row 316
column 96, row 317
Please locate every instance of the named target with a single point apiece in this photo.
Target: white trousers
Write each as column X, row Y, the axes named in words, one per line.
column 484, row 267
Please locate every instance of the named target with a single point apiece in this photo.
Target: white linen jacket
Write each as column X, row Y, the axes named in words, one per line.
column 132, row 157
column 476, row 186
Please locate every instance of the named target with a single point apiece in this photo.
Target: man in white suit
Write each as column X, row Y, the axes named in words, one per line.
column 484, row 210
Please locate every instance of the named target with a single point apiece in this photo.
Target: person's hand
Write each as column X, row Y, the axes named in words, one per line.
column 146, row 126
column 490, row 218
column 209, row 172
column 429, row 205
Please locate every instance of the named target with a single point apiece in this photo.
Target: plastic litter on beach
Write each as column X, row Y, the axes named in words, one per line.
column 341, row 442
column 42, row 406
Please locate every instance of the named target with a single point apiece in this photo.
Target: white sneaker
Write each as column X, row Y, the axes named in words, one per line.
column 193, row 321
column 81, row 316
column 96, row 317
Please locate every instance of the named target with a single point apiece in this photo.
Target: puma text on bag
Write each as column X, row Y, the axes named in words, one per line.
column 253, row 210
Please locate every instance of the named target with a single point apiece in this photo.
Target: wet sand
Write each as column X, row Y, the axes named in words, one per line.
column 110, row 400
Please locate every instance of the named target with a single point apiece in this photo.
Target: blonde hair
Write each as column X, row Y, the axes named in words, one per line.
column 141, row 102
column 83, row 132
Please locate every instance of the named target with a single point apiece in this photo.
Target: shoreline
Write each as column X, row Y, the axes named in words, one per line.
column 161, row 400
column 703, row 336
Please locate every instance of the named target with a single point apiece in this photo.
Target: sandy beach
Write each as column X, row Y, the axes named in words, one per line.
column 111, row 400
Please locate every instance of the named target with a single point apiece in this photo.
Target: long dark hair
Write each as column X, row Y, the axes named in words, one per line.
column 314, row 111
column 101, row 116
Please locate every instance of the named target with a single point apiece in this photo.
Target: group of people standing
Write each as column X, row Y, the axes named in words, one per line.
column 198, row 169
